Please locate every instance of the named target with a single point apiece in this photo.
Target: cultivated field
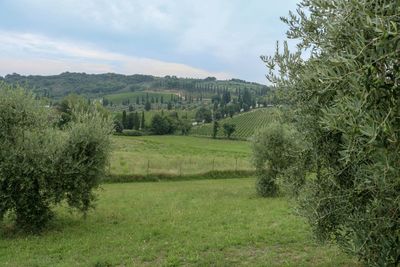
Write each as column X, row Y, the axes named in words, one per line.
column 192, row 223
column 246, row 123
column 177, row 155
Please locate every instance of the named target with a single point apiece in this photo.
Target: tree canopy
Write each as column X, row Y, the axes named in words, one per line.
column 347, row 97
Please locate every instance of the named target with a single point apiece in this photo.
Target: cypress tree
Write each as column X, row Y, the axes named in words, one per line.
column 124, row 120
column 131, row 121
column 142, row 122
column 136, row 120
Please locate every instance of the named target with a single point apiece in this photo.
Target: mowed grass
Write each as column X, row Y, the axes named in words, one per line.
column 177, row 155
column 190, row 223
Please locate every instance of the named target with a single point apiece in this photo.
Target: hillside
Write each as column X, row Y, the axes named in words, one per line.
column 246, row 123
column 97, row 85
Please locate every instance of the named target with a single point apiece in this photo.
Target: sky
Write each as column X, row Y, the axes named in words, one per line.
column 196, row 38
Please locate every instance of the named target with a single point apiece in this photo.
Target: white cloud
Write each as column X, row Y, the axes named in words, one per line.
column 37, row 54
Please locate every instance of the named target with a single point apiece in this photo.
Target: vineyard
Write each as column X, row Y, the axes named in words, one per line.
column 246, row 123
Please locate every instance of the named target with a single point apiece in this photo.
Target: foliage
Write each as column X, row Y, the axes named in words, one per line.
column 215, row 129
column 203, row 114
column 229, row 128
column 184, row 125
column 118, row 126
column 41, row 166
column 147, row 106
column 161, row 125
column 73, row 104
column 277, row 149
column 348, row 99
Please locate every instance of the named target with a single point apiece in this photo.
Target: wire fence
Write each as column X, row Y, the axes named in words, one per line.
column 178, row 165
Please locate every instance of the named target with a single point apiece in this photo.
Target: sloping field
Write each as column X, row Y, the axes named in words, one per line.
column 246, row 123
column 177, row 155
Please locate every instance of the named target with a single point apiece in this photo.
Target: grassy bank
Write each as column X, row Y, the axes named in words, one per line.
column 131, row 178
column 195, row 223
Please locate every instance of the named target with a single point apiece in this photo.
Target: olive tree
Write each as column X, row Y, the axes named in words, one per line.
column 40, row 165
column 278, row 152
column 346, row 91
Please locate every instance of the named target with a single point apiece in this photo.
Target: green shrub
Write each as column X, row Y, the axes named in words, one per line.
column 229, row 129
column 39, row 165
column 348, row 98
column 277, row 151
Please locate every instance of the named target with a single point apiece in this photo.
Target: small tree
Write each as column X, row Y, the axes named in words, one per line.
column 184, row 125
column 39, row 167
column 229, row 129
column 130, row 121
column 136, row 121
column 203, row 114
column 124, row 120
column 169, row 106
column 147, row 106
column 119, row 128
column 161, row 125
column 215, row 129
column 277, row 149
column 142, row 122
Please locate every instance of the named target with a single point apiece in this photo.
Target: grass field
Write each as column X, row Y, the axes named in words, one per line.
column 246, row 123
column 196, row 223
column 177, row 155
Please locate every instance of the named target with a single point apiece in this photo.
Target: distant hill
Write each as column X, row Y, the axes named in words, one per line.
column 246, row 123
column 97, row 85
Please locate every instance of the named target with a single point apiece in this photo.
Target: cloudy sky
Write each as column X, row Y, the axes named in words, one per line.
column 187, row 38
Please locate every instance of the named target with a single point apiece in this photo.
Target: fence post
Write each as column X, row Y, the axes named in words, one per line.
column 213, row 164
column 180, row 169
column 236, row 165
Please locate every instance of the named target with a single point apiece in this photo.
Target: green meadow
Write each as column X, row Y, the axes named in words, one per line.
column 177, row 155
column 186, row 223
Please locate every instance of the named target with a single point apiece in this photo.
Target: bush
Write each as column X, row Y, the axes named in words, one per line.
column 229, row 129
column 161, row 125
column 40, row 166
column 348, row 100
column 277, row 150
